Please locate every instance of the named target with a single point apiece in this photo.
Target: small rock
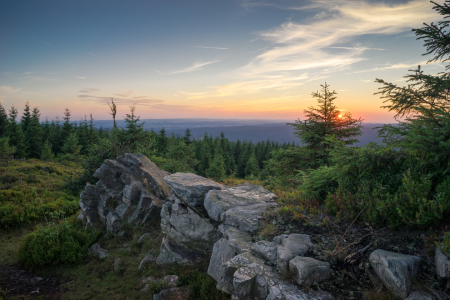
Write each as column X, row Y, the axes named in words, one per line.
column 143, row 236
column 266, row 249
column 419, row 296
column 222, row 252
column 98, row 251
column 289, row 247
column 117, row 264
column 147, row 258
column 180, row 293
column 308, row 270
column 191, row 188
column 171, row 252
column 171, row 281
column 240, row 240
column 395, row 270
column 442, row 264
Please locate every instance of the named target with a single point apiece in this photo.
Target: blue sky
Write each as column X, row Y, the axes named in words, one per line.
column 206, row 59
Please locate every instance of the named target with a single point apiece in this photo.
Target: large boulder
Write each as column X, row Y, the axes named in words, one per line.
column 130, row 188
column 246, row 218
column 290, row 246
column 185, row 226
column 218, row 202
column 395, row 270
column 442, row 264
column 191, row 188
column 308, row 270
column 222, row 252
column 171, row 252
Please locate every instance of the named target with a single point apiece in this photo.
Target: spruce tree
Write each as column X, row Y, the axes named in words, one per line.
column 162, row 142
column 323, row 121
column 252, row 167
column 26, row 117
column 216, row 168
column 187, row 136
column 134, row 130
column 33, row 137
column 71, row 146
column 205, row 156
column 423, row 106
column 47, row 154
column 3, row 121
column 5, row 150
column 66, row 129
column 15, row 133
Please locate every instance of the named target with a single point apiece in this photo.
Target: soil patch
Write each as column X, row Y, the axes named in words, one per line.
column 16, row 282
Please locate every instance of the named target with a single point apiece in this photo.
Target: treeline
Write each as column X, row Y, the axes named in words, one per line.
column 214, row 157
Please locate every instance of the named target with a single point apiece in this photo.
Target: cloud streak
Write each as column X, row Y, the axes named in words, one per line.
column 195, row 67
column 217, row 48
column 303, row 46
column 147, row 101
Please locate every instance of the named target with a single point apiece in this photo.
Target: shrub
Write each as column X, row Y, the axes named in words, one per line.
column 56, row 245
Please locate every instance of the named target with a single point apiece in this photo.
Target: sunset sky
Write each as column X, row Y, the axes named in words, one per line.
column 240, row 59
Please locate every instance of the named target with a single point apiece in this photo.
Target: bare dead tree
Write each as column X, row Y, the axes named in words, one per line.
column 113, row 108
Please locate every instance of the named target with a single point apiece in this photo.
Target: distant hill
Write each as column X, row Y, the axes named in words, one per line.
column 250, row 130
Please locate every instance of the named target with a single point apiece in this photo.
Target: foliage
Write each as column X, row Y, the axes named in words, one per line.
column 5, row 150
column 323, row 121
column 56, row 245
column 29, row 189
column 47, row 154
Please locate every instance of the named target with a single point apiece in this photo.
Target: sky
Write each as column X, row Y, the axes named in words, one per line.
column 233, row 59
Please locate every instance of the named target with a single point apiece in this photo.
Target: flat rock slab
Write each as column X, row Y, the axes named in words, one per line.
column 246, row 218
column 171, row 252
column 191, row 188
column 240, row 240
column 148, row 258
column 222, row 252
column 98, row 251
column 268, row 250
column 180, row 293
column 219, row 201
column 290, row 246
column 185, row 226
column 308, row 270
column 395, row 270
column 419, row 296
column 442, row 264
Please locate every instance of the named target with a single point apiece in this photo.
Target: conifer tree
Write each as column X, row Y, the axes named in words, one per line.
column 323, row 121
column 55, row 135
column 205, row 156
column 216, row 168
column 162, row 142
column 71, row 146
column 33, row 137
column 134, row 130
column 5, row 150
column 252, row 167
column 26, row 117
column 187, row 136
column 101, row 133
column 67, row 128
column 3, row 121
column 47, row 154
column 423, row 106
column 15, row 133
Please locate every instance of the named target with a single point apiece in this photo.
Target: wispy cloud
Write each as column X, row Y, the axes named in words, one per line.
column 218, row 48
column 195, row 67
column 8, row 90
column 80, row 77
column 41, row 42
column 89, row 90
column 125, row 94
column 393, row 66
column 146, row 101
column 92, row 54
column 303, row 46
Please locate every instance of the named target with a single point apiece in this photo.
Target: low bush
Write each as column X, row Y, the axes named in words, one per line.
column 52, row 245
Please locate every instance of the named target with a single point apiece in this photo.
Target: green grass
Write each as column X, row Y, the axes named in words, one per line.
column 30, row 194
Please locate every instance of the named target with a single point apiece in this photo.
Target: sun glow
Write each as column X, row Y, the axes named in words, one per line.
column 340, row 116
